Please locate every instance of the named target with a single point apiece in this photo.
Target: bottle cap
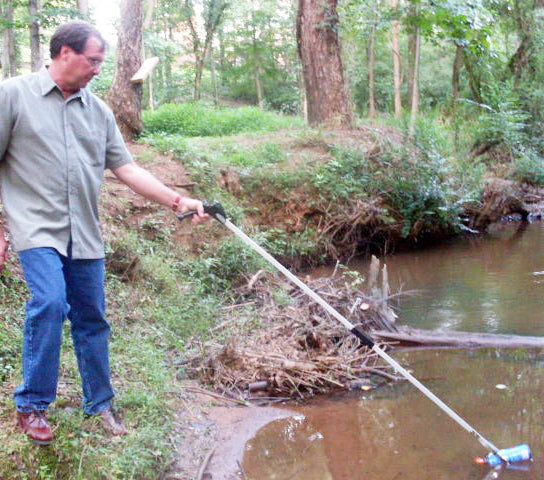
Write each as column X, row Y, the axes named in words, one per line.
column 480, row 461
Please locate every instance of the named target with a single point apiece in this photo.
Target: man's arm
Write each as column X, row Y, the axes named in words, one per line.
column 144, row 183
column 3, row 248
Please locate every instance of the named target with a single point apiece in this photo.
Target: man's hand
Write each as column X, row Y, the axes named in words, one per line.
column 186, row 204
column 4, row 245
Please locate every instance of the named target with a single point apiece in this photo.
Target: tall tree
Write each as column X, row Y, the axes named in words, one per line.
column 125, row 97
column 395, row 50
column 527, row 18
column 322, row 68
column 83, row 7
column 212, row 13
column 370, row 64
column 414, row 98
column 257, row 61
column 415, row 53
column 9, row 67
column 468, row 26
column 258, row 57
column 362, row 23
column 36, row 57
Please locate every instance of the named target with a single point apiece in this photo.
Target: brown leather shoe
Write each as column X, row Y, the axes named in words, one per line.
column 111, row 424
column 36, row 427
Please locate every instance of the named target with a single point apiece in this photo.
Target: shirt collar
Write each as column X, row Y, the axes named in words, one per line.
column 47, row 84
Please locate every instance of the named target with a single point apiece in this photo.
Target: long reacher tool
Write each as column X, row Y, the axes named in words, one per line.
column 496, row 455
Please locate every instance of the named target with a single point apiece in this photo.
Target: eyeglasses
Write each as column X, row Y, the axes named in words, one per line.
column 92, row 61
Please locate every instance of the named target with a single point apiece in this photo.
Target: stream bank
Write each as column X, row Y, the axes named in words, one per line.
column 503, row 199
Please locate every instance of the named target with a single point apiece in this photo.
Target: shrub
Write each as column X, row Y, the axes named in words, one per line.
column 529, row 167
column 344, row 178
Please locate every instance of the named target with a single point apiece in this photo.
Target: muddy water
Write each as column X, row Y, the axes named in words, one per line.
column 492, row 284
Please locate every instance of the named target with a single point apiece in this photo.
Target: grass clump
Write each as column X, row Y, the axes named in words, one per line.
column 200, row 120
column 12, row 292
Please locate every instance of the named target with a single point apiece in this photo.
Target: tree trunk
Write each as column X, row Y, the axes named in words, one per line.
column 415, row 337
column 124, row 97
column 9, row 68
column 303, row 100
column 395, row 49
column 259, row 87
column 371, row 82
column 456, row 76
column 215, row 84
column 148, row 20
column 36, row 57
column 322, row 69
column 83, row 7
column 474, row 81
column 525, row 57
column 455, row 91
column 257, row 69
column 414, row 101
column 213, row 16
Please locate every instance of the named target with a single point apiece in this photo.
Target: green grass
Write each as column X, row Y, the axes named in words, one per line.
column 201, row 120
column 154, row 314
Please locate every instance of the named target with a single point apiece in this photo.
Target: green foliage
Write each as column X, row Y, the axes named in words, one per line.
column 427, row 189
column 416, row 192
column 419, row 184
column 529, row 167
column 260, row 45
column 13, row 293
column 198, row 119
column 222, row 270
column 502, row 121
column 298, row 247
column 343, row 179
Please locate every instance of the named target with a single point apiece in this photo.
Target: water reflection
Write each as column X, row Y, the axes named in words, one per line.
column 396, row 432
column 294, row 439
column 489, row 284
column 486, row 284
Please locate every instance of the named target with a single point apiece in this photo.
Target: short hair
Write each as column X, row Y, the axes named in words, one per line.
column 73, row 34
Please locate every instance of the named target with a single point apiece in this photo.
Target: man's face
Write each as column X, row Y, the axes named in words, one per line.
column 80, row 68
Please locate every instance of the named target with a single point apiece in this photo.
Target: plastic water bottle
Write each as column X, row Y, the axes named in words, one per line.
column 511, row 455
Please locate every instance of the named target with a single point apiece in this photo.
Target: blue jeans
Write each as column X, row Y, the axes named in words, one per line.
column 61, row 287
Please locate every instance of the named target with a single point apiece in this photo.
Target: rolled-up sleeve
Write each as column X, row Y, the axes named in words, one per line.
column 117, row 153
column 5, row 122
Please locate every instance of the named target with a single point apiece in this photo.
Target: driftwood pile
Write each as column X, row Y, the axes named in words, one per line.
column 301, row 350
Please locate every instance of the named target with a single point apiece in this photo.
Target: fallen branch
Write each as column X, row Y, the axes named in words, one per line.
column 412, row 336
column 216, row 395
column 204, row 464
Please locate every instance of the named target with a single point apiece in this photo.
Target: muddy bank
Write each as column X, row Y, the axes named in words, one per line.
column 212, row 434
column 235, row 427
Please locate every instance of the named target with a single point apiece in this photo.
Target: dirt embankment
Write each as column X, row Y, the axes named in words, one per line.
column 354, row 229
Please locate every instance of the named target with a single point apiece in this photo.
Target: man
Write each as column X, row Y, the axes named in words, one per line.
column 56, row 139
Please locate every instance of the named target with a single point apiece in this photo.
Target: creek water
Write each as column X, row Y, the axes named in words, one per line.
column 493, row 283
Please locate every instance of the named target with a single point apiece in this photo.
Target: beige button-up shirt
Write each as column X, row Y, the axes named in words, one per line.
column 53, row 152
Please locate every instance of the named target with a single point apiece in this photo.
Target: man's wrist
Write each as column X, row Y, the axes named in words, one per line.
column 175, row 203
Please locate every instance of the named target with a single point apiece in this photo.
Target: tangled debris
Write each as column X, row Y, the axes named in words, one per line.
column 300, row 350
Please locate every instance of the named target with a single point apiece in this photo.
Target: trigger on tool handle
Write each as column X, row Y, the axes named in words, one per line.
column 210, row 208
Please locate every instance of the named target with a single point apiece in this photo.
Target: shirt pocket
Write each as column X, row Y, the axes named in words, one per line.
column 90, row 144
